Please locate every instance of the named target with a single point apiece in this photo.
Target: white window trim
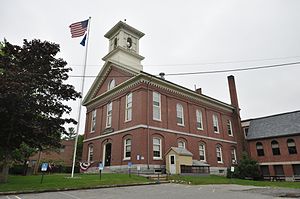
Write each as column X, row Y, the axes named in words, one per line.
column 93, row 122
column 216, row 121
column 181, row 142
column 160, row 149
column 89, row 152
column 221, row 155
column 230, row 124
column 234, row 161
column 108, row 115
column 159, row 107
column 204, row 150
column 124, row 157
column 199, row 119
column 127, row 108
column 111, row 84
column 182, row 110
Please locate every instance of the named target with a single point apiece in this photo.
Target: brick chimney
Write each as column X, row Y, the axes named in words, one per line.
column 199, row 90
column 233, row 93
column 241, row 144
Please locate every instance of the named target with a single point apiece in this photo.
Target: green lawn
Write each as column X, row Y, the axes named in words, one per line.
column 55, row 181
column 222, row 180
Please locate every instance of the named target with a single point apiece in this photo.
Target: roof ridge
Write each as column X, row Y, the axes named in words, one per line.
column 263, row 117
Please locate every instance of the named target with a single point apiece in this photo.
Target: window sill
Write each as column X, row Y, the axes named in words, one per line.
column 127, row 121
column 217, row 132
column 126, row 159
column 92, row 131
column 220, row 162
column 157, row 158
column 200, row 129
column 182, row 125
column 157, row 120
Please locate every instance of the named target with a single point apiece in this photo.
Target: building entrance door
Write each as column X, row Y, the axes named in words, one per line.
column 172, row 164
column 107, row 156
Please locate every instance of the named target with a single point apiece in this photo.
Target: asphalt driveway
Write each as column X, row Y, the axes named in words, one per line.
column 167, row 191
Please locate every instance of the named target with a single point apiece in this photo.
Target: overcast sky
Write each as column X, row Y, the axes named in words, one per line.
column 180, row 36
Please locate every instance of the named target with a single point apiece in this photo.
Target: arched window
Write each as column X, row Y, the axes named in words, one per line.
column 157, row 148
column 181, row 144
column 219, row 154
column 275, row 147
column 260, row 149
column 90, row 153
column 111, row 84
column 180, row 117
column 291, row 146
column 127, row 149
column 202, row 155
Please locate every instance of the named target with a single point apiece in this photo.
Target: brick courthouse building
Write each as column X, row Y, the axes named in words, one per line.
column 133, row 116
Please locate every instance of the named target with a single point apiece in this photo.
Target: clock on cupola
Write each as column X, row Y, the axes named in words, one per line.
column 124, row 46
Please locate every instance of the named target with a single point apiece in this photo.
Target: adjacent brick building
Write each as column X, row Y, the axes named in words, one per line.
column 133, row 116
column 274, row 141
column 62, row 156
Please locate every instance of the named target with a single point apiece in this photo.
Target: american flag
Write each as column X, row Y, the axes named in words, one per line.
column 79, row 28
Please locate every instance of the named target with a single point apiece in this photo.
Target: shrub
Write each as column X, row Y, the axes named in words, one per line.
column 246, row 169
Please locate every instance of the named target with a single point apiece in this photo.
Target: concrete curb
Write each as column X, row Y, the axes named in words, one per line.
column 83, row 188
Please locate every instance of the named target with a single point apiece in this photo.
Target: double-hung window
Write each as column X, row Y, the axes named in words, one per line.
column 156, row 106
column 199, row 120
column 179, row 113
column 128, row 108
column 219, row 154
column 90, row 153
column 215, row 123
column 157, row 148
column 93, row 124
column 202, row 155
column 109, row 115
column 229, row 128
column 127, row 149
column 233, row 156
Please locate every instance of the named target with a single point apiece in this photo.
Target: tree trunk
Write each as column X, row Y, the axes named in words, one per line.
column 4, row 172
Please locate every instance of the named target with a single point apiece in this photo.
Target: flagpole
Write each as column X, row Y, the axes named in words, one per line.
column 80, row 101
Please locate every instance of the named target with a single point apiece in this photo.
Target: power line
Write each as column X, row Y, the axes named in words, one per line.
column 206, row 72
column 235, row 70
column 205, row 63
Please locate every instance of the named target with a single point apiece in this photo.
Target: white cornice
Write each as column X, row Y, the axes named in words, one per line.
column 159, row 129
column 279, row 163
column 102, row 75
column 164, row 85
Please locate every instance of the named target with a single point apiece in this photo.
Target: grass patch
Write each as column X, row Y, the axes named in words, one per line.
column 212, row 179
column 61, row 181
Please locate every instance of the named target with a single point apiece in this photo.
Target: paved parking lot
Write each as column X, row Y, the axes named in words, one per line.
column 165, row 191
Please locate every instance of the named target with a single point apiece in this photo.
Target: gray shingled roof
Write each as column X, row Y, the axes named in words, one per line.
column 181, row 151
column 274, row 126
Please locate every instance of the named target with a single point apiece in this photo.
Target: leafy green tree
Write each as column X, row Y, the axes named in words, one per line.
column 246, row 168
column 32, row 93
column 71, row 134
column 22, row 154
column 79, row 149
